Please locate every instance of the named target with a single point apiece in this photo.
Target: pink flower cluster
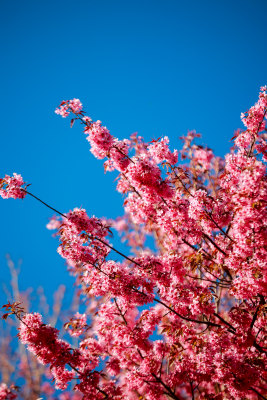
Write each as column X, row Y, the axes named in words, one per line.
column 6, row 393
column 82, row 238
column 103, row 144
column 11, row 187
column 43, row 341
column 66, row 363
column 159, row 151
column 66, row 107
column 77, row 325
column 254, row 118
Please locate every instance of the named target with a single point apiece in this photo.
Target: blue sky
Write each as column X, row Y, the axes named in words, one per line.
column 156, row 67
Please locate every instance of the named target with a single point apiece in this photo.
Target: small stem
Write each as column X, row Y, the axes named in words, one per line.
column 47, row 205
column 214, row 244
column 208, row 280
column 192, row 390
column 103, row 392
column 225, row 322
column 258, row 393
column 172, row 394
column 261, row 303
column 215, row 223
column 259, row 348
column 203, row 252
column 255, row 136
column 121, row 314
column 186, row 318
column 125, row 155
column 117, row 251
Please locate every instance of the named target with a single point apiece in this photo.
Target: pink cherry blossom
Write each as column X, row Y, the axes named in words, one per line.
column 6, row 393
column 11, row 187
column 63, row 110
column 75, row 105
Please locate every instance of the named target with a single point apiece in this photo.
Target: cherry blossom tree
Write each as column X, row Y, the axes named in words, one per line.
column 186, row 319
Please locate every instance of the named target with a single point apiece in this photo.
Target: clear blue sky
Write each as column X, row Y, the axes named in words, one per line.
column 156, row 67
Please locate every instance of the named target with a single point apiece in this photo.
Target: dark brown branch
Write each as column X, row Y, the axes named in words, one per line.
column 192, row 390
column 261, row 303
column 255, row 136
column 259, row 348
column 225, row 322
column 47, row 205
column 215, row 223
column 94, row 237
column 258, row 393
column 186, row 318
column 214, row 244
column 171, row 392
column 121, row 314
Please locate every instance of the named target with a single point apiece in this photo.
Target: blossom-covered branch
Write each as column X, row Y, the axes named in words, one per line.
column 187, row 319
